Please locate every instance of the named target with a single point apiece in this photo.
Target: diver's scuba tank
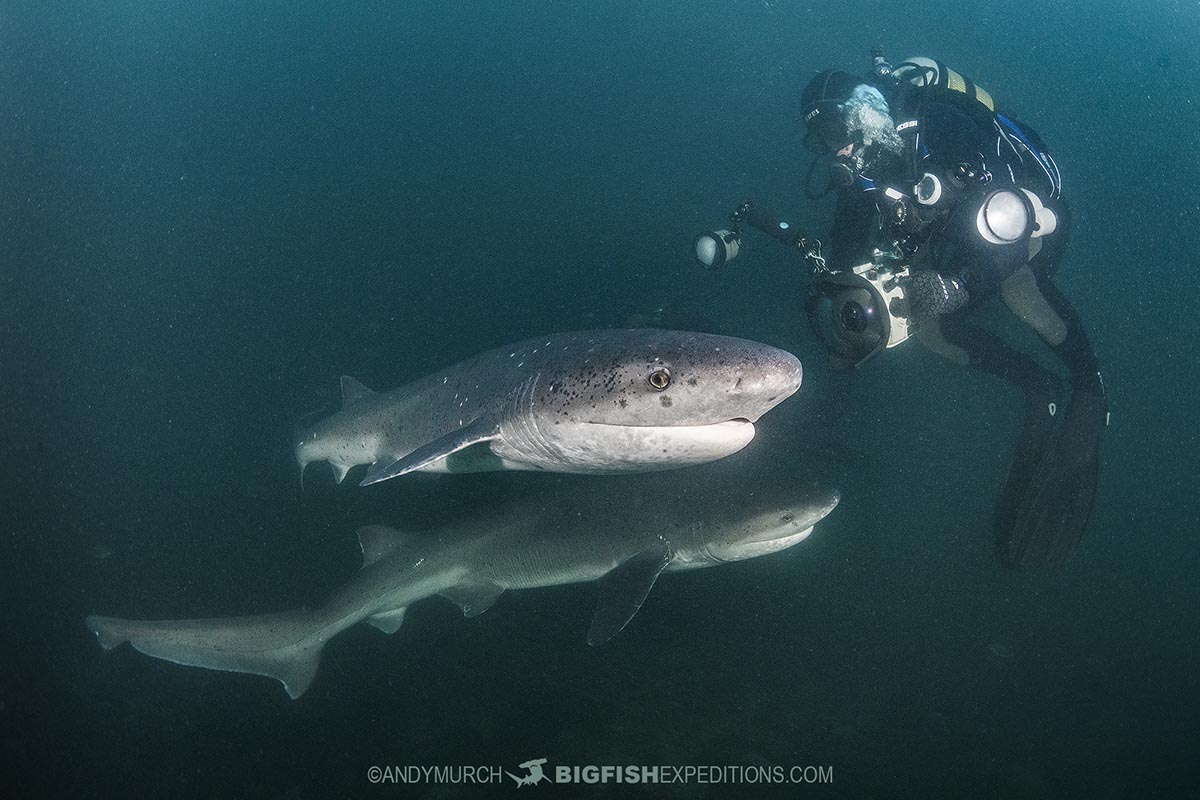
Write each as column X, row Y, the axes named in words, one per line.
column 880, row 68
column 931, row 74
column 964, row 201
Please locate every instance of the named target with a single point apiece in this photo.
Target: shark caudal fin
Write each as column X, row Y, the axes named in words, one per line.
column 286, row 647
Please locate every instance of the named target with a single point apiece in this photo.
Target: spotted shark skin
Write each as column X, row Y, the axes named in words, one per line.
column 597, row 402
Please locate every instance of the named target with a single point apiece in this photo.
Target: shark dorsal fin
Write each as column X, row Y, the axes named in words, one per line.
column 352, row 390
column 377, row 541
column 624, row 589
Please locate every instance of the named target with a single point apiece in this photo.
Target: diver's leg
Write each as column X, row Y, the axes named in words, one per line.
column 1052, row 481
column 1020, row 538
column 991, row 354
column 1072, row 466
column 1075, row 350
column 1024, row 298
column 1048, row 498
column 929, row 335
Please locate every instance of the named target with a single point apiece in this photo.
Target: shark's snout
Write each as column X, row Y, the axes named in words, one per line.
column 767, row 383
column 787, row 375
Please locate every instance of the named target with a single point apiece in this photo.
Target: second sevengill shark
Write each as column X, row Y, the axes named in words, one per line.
column 620, row 532
column 599, row 402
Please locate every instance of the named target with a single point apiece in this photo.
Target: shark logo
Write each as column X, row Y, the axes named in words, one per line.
column 536, row 774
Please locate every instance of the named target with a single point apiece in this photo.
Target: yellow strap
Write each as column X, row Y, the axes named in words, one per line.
column 955, row 81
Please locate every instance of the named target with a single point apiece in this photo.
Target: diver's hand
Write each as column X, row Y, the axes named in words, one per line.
column 929, row 294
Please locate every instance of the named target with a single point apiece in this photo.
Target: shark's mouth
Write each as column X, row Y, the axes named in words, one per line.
column 728, row 424
column 736, row 422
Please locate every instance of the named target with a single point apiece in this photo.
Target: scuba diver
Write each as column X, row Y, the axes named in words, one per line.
column 944, row 203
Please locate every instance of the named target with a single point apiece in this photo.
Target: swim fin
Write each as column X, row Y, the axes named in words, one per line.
column 1052, row 481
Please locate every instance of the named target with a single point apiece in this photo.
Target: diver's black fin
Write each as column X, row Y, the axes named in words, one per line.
column 1051, row 484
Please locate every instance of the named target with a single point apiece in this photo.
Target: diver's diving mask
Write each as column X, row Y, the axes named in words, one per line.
column 826, row 128
column 862, row 120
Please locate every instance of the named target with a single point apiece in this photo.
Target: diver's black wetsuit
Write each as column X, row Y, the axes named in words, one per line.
column 1048, row 495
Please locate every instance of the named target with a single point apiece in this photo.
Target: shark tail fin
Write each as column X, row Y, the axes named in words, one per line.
column 286, row 647
column 300, row 430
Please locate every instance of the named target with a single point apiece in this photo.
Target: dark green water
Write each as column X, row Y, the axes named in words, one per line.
column 209, row 211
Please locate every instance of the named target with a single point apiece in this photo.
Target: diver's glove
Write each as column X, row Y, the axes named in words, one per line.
column 930, row 294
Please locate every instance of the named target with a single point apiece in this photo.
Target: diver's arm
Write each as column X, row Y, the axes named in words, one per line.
column 849, row 236
column 929, row 293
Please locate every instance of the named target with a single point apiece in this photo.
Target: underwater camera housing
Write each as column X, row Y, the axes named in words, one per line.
column 856, row 313
column 859, row 312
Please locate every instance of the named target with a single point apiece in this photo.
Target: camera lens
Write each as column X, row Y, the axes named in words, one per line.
column 843, row 310
column 854, row 317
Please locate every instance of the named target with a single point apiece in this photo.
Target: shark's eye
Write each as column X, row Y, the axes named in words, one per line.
column 789, row 517
column 659, row 379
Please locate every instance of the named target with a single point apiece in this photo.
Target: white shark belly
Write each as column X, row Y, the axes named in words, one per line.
column 598, row 448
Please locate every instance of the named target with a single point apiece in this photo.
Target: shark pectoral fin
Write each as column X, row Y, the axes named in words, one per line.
column 353, row 390
column 474, row 598
column 623, row 590
column 388, row 621
column 377, row 541
column 478, row 431
column 296, row 675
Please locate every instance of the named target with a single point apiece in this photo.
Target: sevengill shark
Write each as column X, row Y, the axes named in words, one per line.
column 598, row 402
column 621, row 533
